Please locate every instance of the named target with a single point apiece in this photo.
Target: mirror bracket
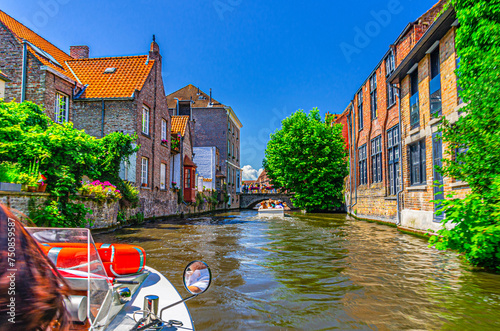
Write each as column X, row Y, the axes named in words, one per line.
column 176, row 303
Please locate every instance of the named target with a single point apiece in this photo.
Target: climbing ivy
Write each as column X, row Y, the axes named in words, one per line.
column 474, row 140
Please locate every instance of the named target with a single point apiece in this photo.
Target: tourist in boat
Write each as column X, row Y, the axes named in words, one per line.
column 32, row 291
column 197, row 277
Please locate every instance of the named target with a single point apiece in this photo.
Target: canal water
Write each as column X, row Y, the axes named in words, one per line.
column 317, row 272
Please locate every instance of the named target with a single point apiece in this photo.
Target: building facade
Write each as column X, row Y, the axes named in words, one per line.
column 215, row 125
column 393, row 142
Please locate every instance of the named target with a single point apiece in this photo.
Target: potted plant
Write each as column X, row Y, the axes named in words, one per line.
column 32, row 183
column 42, row 186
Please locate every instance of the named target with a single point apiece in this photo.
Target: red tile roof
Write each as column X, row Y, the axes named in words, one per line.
column 21, row 33
column 179, row 124
column 190, row 92
column 130, row 74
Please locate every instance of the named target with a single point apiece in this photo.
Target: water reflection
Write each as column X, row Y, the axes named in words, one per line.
column 317, row 272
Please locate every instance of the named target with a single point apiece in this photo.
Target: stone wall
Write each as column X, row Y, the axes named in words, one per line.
column 104, row 215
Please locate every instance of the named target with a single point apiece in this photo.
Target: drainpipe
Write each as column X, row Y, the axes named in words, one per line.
column 102, row 119
column 350, row 161
column 24, row 71
column 354, row 155
column 400, row 189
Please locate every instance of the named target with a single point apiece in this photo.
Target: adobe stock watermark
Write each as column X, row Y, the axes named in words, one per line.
column 224, row 6
column 48, row 9
column 11, row 270
column 372, row 29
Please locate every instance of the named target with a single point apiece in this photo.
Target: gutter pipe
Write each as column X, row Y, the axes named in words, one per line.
column 400, row 189
column 24, row 71
column 354, row 155
column 350, row 161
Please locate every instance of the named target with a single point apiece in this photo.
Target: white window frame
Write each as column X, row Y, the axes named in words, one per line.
column 145, row 120
column 144, row 170
column 163, row 129
column 163, row 176
column 57, row 108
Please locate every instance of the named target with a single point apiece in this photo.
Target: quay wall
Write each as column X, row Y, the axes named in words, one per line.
column 104, row 214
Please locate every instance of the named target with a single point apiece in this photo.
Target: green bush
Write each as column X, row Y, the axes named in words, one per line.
column 63, row 154
column 10, row 173
column 60, row 214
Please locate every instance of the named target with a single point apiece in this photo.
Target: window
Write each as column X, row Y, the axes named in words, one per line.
column 145, row 120
column 61, row 108
column 163, row 130
column 376, row 153
column 363, row 177
column 228, row 126
column 144, row 171
column 360, row 109
column 237, row 154
column 187, row 178
column 163, row 179
column 435, row 83
column 389, row 63
column 373, row 95
column 393, row 159
column 417, row 163
column 391, row 95
column 228, row 148
column 414, row 111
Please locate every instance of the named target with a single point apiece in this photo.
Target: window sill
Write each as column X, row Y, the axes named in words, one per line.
column 459, row 185
column 414, row 131
column 391, row 198
column 417, row 188
column 145, row 187
column 146, row 135
column 390, row 106
column 435, row 121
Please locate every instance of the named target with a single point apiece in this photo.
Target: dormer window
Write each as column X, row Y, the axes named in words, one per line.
column 109, row 70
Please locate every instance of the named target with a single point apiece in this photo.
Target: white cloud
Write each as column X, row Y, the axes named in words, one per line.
column 250, row 173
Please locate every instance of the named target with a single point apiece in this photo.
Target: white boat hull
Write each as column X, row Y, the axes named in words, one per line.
column 272, row 212
column 159, row 285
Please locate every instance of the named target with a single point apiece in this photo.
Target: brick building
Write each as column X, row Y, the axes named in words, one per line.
column 3, row 80
column 381, row 140
column 38, row 70
column 215, row 125
column 100, row 96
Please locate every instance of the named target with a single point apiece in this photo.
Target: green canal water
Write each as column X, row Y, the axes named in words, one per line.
column 317, row 272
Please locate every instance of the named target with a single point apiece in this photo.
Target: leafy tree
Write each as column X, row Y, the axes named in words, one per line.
column 308, row 157
column 474, row 222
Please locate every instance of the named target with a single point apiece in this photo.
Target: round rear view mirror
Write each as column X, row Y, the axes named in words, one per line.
column 197, row 277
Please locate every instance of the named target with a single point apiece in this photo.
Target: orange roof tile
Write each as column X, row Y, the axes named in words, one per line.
column 179, row 124
column 190, row 92
column 130, row 74
column 21, row 33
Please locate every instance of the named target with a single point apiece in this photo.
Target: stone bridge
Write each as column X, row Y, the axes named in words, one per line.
column 249, row 200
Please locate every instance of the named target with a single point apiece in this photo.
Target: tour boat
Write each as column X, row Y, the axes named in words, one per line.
column 280, row 211
column 111, row 286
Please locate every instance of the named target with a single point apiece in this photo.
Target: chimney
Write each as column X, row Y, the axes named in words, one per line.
column 154, row 50
column 210, row 102
column 79, row 52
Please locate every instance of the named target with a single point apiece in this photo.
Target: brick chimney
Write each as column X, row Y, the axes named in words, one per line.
column 154, row 50
column 79, row 52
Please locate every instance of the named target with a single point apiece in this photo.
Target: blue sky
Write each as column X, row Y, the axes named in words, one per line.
column 265, row 59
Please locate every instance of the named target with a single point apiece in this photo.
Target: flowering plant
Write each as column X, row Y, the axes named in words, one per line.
column 164, row 141
column 174, row 185
column 102, row 190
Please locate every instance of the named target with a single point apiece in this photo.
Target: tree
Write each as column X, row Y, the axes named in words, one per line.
column 474, row 140
column 308, row 157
